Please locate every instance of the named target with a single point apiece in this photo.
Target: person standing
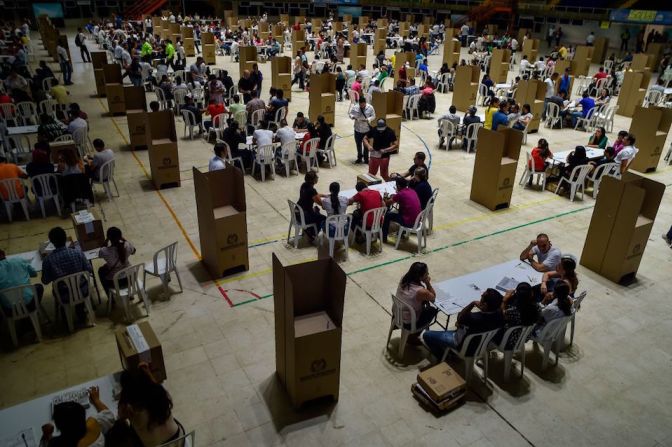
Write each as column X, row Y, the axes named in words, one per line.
column 380, row 143
column 550, row 91
column 66, row 65
column 550, row 35
column 625, row 37
column 80, row 39
column 362, row 115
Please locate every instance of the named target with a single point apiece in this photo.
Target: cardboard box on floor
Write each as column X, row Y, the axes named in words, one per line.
column 137, row 344
column 388, row 106
column 451, row 52
column 322, row 97
column 298, row 41
column 247, row 57
column 222, row 221
column 136, row 115
column 650, row 126
column 441, row 382
column 633, row 91
column 465, row 87
column 163, row 156
column 308, row 307
column 495, row 166
column 357, row 55
column 499, row 65
column 114, row 89
column 281, row 75
column 621, row 225
column 88, row 229
column 600, row 47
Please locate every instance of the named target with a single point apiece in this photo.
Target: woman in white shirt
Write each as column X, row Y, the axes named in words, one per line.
column 415, row 289
column 334, row 204
column 555, row 305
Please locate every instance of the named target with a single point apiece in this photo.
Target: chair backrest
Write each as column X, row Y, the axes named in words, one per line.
column 579, row 173
column 340, row 224
column 447, row 128
column 420, row 220
column 132, row 275
column 187, row 440
column 600, row 84
column 107, row 171
column 64, row 137
column 47, row 83
column 189, row 117
column 11, row 186
column 233, row 90
column 166, row 257
column 160, row 95
column 311, row 145
column 554, row 110
column 554, row 328
column 257, row 117
column 331, row 141
column 241, row 117
column 530, row 162
column 296, row 214
column 474, row 345
column 27, row 109
column 482, row 89
column 288, row 150
column 280, row 114
column 609, row 169
column 48, row 106
column 576, row 305
column 265, row 154
column 398, row 308
column 198, row 94
column 180, row 95
column 472, row 130
column 78, row 288
column 589, row 115
column 377, row 216
column 80, row 135
column 8, row 111
column 179, row 73
column 14, row 297
column 608, row 64
column 48, row 185
column 654, row 97
column 219, row 121
column 414, row 101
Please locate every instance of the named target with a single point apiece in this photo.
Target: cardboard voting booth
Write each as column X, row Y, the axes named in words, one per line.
column 388, row 106
column 650, row 127
column 136, row 114
column 298, row 41
column 620, row 226
column 137, row 344
column 99, row 59
column 600, row 47
column 633, row 91
column 163, row 157
column 642, row 61
column 208, row 48
column 499, row 65
column 357, row 55
column 222, row 221
column 582, row 59
column 531, row 49
column 400, row 59
column 188, row 41
column 281, row 75
column 655, row 52
column 88, row 229
column 494, row 174
column 114, row 89
column 465, row 87
column 308, row 299
column 322, row 97
column 451, row 52
column 532, row 92
column 247, row 57
column 380, row 40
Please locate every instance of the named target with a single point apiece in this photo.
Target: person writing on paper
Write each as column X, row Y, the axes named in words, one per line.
column 380, row 143
column 547, row 256
column 519, row 309
column 415, row 291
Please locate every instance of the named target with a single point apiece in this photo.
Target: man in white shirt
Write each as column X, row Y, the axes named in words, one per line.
column 550, row 91
column 375, row 87
column 590, row 39
column 548, row 257
column 118, row 51
column 626, row 154
column 66, row 66
column 76, row 123
column 262, row 136
column 125, row 57
column 362, row 114
column 285, row 135
column 524, row 64
column 464, row 32
column 217, row 162
column 540, row 65
column 102, row 156
column 80, row 40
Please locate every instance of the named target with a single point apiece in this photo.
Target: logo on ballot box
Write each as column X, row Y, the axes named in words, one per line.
column 318, row 365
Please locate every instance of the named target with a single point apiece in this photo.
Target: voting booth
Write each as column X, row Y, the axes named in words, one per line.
column 163, row 157
column 465, row 86
column 650, row 126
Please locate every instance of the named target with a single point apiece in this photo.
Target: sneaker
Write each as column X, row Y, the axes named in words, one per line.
column 667, row 240
column 358, row 161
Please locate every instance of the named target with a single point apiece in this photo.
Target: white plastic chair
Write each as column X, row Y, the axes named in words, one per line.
column 608, row 64
column 265, row 157
column 187, row 440
column 397, row 322
column 229, row 158
column 309, row 154
column 218, row 126
column 9, row 112
column 47, row 83
column 135, row 287
column 483, row 93
column 519, row 347
column 576, row 306
column 161, row 98
column 180, row 74
column 21, row 151
column 418, row 228
column 12, row 189
column 74, row 297
column 49, row 107
column 257, row 117
column 443, row 85
column 163, row 263
column 606, row 118
column 448, row 132
column 241, row 117
column 530, row 172
column 180, row 96
column 66, row 137
column 588, row 122
column 553, row 115
column 27, row 113
column 189, row 123
column 413, row 107
column 471, row 136
column 198, row 95
column 329, row 150
column 376, row 230
column 105, row 177
column 576, row 181
column 288, row 157
column 47, row 185
column 550, row 338
column 280, row 115
column 607, row 169
column 297, row 221
column 430, row 211
column 81, row 138
column 19, row 311
column 481, row 340
column 652, row 98
column 354, row 96
column 341, row 229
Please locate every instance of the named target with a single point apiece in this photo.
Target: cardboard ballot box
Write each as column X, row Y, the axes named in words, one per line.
column 388, row 106
column 322, row 97
column 88, row 229
column 114, row 88
column 308, row 311
column 137, row 344
column 163, row 156
column 650, row 126
column 222, row 221
column 633, row 90
column 442, row 385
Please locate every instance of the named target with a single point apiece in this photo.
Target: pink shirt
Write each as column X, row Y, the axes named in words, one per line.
column 618, row 146
column 356, row 86
column 409, row 205
column 407, row 296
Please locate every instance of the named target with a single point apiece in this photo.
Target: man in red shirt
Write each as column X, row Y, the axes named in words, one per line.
column 368, row 199
column 601, row 74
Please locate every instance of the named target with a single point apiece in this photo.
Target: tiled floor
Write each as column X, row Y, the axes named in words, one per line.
column 613, row 387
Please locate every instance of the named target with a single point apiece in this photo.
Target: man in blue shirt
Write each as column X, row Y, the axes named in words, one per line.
column 17, row 272
column 500, row 117
column 565, row 82
column 587, row 104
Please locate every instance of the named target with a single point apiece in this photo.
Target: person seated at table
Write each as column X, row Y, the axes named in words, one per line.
column 76, row 122
column 618, row 145
column 629, row 151
column 69, row 163
column 277, row 103
column 300, row 123
column 115, row 252
column 587, row 104
column 76, row 110
column 421, row 186
column 490, row 111
column 525, row 65
column 217, row 162
column 226, row 80
column 524, row 118
column 519, row 308
column 42, row 72
column 40, row 162
column 59, row 92
column 255, row 103
column 75, row 429
column 500, row 117
column 418, row 162
column 190, row 106
column 575, row 158
column 416, row 291
column 556, row 304
column 11, row 171
column 603, row 98
column 100, row 157
column 214, row 108
column 409, row 207
column 488, row 318
column 565, row 271
column 324, row 133
column 539, row 155
column 334, row 203
column 308, row 199
column 470, row 117
column 608, row 157
column 16, row 272
column 262, row 136
column 598, row 138
column 236, row 106
column 489, row 85
column 547, row 256
column 216, row 89
column 233, row 136
column 309, row 134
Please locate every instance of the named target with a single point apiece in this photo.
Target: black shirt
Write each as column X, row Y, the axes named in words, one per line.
column 412, row 169
column 306, row 194
column 324, row 132
column 424, row 192
column 382, row 140
column 233, row 138
column 557, row 100
column 228, row 82
column 468, row 119
column 246, row 85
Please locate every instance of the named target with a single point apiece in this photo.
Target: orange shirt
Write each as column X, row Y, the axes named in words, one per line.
column 7, row 171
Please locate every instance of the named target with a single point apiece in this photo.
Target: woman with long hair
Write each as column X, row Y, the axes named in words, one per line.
column 555, row 305
column 519, row 309
column 598, row 138
column 115, row 253
column 565, row 271
column 415, row 289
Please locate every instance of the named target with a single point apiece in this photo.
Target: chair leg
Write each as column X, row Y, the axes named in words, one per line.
column 69, row 317
column 544, row 361
column 89, row 311
column 11, row 324
column 368, row 243
column 522, row 361
column 402, row 342
column 400, row 233
column 24, row 206
column 389, row 334
column 34, row 318
column 571, row 332
column 331, row 247
column 179, row 280
column 508, row 355
column 468, row 368
column 41, row 200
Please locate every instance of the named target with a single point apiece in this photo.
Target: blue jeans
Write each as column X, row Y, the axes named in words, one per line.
column 390, row 216
column 66, row 69
column 576, row 116
column 438, row 341
column 669, row 234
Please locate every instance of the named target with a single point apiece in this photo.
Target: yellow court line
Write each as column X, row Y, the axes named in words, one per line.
column 261, row 272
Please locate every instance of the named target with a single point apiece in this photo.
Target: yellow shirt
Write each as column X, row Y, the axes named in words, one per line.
column 488, row 116
column 393, row 59
column 563, row 52
column 59, row 93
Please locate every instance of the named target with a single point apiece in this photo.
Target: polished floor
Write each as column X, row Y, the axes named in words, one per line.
column 612, row 387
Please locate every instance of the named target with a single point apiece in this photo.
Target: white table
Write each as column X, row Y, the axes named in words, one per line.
column 35, row 258
column 591, row 152
column 452, row 295
column 21, row 130
column 385, row 187
column 502, row 86
column 33, row 414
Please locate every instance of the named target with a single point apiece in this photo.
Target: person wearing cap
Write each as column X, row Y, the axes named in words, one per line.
column 362, row 115
column 380, row 143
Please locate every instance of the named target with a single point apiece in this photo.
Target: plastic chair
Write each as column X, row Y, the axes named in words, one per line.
column 64, row 138
column 550, row 338
column 45, row 187
column 418, row 229
column 189, row 123
column 198, row 95
column 241, row 117
column 309, row 154
column 519, row 347
column 161, row 98
column 8, row 112
column 280, row 115
column 608, row 169
column 443, row 85
column 74, row 296
column 576, row 305
column 163, row 263
column 413, row 107
column 483, row 93
column 81, row 138
column 606, row 118
column 218, row 126
column 653, row 98
column 448, row 132
column 47, row 83
column 430, row 211
column 376, row 230
column 22, row 150
column 27, row 113
column 257, row 117
column 134, row 287
column 471, row 136
column 525, row 131
column 187, row 440
column 588, row 121
column 341, row 229
column 180, row 96
column 530, row 173
column 19, row 311
column 297, row 221
column 105, row 177
column 49, row 107
column 553, row 115
column 229, row 158
column 354, row 97
column 482, row 340
column 576, row 181
column 329, row 150
column 265, row 157
column 397, row 322
column 288, row 157
column 11, row 187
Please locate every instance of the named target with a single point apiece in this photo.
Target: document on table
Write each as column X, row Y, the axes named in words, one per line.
column 22, row 438
column 506, row 283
